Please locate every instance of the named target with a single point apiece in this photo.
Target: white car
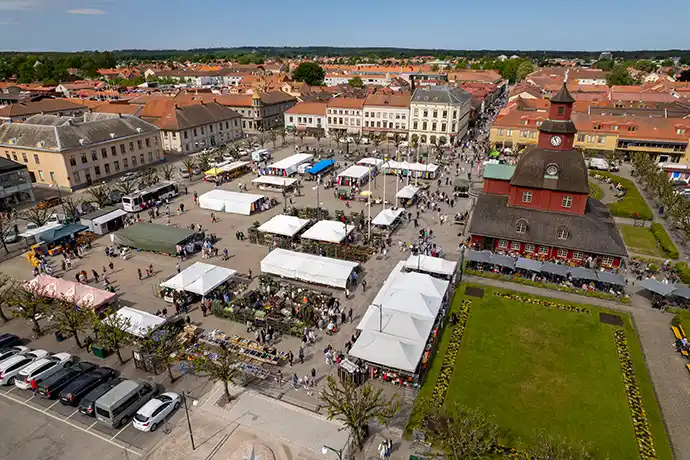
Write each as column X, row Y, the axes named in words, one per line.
column 41, row 369
column 35, row 354
column 154, row 412
column 10, row 367
column 8, row 352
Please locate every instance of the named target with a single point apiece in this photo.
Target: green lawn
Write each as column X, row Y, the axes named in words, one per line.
column 640, row 240
column 536, row 368
column 595, row 191
column 631, row 204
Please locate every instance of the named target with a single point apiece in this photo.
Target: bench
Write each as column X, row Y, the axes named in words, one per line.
column 676, row 332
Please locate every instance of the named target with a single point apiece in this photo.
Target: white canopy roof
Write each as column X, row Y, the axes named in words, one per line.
column 431, row 265
column 331, row 231
column 224, row 200
column 232, row 166
column 407, row 192
column 292, row 161
column 274, row 180
column 421, row 167
column 110, row 216
column 141, row 322
column 200, row 278
column 388, row 350
column 308, row 267
column 391, row 322
column 387, row 217
column 370, row 161
column 284, row 225
column 37, row 231
column 355, row 171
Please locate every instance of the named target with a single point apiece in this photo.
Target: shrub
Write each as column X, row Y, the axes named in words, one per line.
column 631, row 203
column 664, row 240
column 683, row 271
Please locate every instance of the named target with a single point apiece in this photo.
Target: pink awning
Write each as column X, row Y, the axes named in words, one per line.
column 59, row 288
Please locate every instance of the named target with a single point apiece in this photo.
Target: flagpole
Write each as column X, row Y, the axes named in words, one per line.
column 369, row 206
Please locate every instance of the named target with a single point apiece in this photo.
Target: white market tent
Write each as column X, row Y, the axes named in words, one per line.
column 388, row 350
column 330, row 231
column 355, row 172
column 373, row 162
column 284, row 225
column 199, row 278
column 110, row 216
column 288, row 166
column 37, row 231
column 386, row 217
column 232, row 166
column 140, row 322
column 275, row 181
column 226, row 201
column 407, row 192
column 432, row 265
column 415, row 169
column 308, row 267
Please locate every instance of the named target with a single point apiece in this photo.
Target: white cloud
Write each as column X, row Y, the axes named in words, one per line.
column 86, row 11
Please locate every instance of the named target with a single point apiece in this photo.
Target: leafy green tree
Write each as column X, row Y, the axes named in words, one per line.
column 356, row 82
column 525, row 68
column 606, row 64
column 111, row 331
column 221, row 368
column 309, row 72
column 620, row 76
column 355, row 406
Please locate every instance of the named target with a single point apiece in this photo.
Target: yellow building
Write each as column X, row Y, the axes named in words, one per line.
column 74, row 152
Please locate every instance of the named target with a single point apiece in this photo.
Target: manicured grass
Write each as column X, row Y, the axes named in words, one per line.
column 631, row 203
column 536, row 368
column 595, row 191
column 665, row 242
column 640, row 240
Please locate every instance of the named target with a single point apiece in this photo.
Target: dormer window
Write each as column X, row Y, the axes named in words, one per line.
column 632, row 128
column 562, row 233
column 552, row 170
column 521, row 226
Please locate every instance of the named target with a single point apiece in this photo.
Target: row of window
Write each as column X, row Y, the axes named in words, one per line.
column 528, row 134
column 379, row 124
column 304, row 120
column 25, row 158
column 591, row 139
column 113, row 151
column 343, row 112
column 76, row 175
column 566, row 201
column 613, row 127
column 434, row 113
column 348, row 121
column 521, row 227
column 545, row 250
column 384, row 115
column 185, row 133
column 434, row 126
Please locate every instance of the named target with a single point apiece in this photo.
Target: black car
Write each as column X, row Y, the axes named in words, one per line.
column 51, row 386
column 87, row 403
column 82, row 385
column 9, row 340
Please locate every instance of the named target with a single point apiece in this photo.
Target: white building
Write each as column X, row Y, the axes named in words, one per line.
column 306, row 116
column 439, row 114
column 387, row 114
column 345, row 114
column 335, row 79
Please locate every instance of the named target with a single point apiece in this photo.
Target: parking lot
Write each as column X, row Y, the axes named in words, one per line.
column 66, row 418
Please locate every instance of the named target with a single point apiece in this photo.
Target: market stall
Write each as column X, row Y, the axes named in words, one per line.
column 388, row 219
column 407, row 196
column 354, row 176
column 418, row 170
column 287, row 166
column 330, row 231
column 141, row 323
column 434, row 266
column 555, row 272
column 104, row 220
column 153, row 237
column 308, row 267
column 288, row 226
column 199, row 279
column 274, row 183
column 235, row 169
column 320, row 167
column 374, row 163
column 233, row 202
column 80, row 294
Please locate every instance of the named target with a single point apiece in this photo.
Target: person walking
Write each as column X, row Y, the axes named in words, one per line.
column 349, row 314
column 203, row 307
column 177, row 266
column 139, row 273
column 300, row 354
column 364, row 285
column 95, row 275
column 34, row 386
column 290, row 357
column 347, row 293
column 111, row 265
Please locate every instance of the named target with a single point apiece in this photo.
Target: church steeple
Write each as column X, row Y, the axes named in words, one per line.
column 558, row 132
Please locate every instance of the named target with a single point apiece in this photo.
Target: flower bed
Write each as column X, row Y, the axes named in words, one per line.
column 543, row 302
column 441, row 386
column 643, row 434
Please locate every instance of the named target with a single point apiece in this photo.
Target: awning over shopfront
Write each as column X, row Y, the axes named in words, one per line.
column 528, row 264
column 581, row 273
column 555, row 269
column 478, row 256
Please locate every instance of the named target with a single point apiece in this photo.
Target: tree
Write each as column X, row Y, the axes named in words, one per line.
column 127, row 186
column 29, row 302
column 301, row 135
column 8, row 286
column 71, row 207
column 318, row 135
column 168, row 172
column 100, row 194
column 283, row 135
column 356, row 82
column 263, row 138
column 606, row 65
column 309, row 72
column 337, row 135
column 357, row 139
column 356, row 405
column 525, row 68
column 460, row 432
column 620, row 76
column 111, row 331
column 273, row 135
column 8, row 224
column 69, row 318
column 149, row 178
column 546, row 448
column 165, row 348
column 37, row 215
column 221, row 368
column 188, row 163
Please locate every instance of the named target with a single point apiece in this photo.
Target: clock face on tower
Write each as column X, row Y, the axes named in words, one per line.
column 555, row 141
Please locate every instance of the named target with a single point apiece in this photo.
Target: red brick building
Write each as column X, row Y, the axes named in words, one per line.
column 541, row 208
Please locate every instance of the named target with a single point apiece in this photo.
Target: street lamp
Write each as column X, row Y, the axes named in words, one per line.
column 338, row 452
column 189, row 422
column 59, row 196
column 318, row 201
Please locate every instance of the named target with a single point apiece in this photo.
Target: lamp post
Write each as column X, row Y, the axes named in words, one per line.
column 189, row 422
column 59, row 197
column 318, row 200
column 338, row 452
column 369, row 207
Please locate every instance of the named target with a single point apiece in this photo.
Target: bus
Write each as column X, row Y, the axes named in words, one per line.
column 148, row 197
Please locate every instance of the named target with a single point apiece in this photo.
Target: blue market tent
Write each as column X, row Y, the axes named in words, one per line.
column 56, row 234
column 320, row 166
column 528, row 264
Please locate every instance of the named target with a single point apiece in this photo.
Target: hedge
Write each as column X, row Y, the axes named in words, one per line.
column 631, row 203
column 683, row 271
column 664, row 240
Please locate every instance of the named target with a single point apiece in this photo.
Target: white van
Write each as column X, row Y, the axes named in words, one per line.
column 599, row 164
column 120, row 403
column 261, row 155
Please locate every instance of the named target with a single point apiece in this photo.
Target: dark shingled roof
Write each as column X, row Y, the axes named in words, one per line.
column 558, row 127
column 9, row 165
column 594, row 232
column 563, row 96
column 189, row 116
column 572, row 171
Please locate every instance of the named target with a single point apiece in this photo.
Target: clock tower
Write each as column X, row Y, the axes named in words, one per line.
column 558, row 132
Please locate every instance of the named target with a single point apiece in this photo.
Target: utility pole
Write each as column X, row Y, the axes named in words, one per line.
column 369, row 207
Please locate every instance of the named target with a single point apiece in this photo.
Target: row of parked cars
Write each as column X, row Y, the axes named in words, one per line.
column 96, row 391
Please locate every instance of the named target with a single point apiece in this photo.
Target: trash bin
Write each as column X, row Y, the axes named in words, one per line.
column 58, row 336
column 99, row 351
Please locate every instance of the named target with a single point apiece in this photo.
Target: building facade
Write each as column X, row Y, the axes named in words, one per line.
column 541, row 207
column 192, row 128
column 439, row 114
column 306, row 116
column 15, row 184
column 386, row 114
column 345, row 115
column 75, row 152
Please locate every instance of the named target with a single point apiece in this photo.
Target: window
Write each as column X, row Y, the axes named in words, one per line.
column 515, row 245
column 445, row 114
column 72, row 161
column 116, row 165
column 40, row 174
column 580, row 137
column 596, row 126
column 529, row 247
column 523, row 122
column 113, row 151
column 77, row 179
column 632, row 128
column 52, row 176
column 602, row 139
column 131, row 146
column 443, row 127
column 94, row 155
column 83, row 158
column 425, row 113
column 607, row 260
column 503, row 244
column 424, row 125
column 148, row 142
column 680, row 131
column 122, row 148
column 134, row 161
column 107, row 168
column 433, row 126
column 414, row 124
column 97, row 170
column 562, row 252
column 104, row 153
column 526, row 197
column 125, row 163
column 561, row 110
column 435, row 114
column 14, row 156
column 567, row 201
column 139, row 144
column 521, row 227
column 25, row 159
column 509, row 132
column 194, row 131
column 185, row 136
column 210, row 128
column 577, row 255
column 141, row 159
column 543, row 250
column 36, row 159
column 562, row 234
column 150, row 157
column 499, row 131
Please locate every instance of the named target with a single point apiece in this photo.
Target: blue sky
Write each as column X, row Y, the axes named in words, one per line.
column 68, row 25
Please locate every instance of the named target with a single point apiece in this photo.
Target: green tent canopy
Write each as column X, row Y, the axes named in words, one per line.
column 152, row 237
column 494, row 153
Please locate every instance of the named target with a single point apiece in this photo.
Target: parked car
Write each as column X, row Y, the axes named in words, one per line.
column 41, row 369
column 185, row 174
column 88, row 402
column 130, row 176
column 51, row 386
column 10, row 236
column 75, row 390
column 196, row 171
column 11, row 367
column 8, row 352
column 35, row 354
column 154, row 412
column 50, row 202
column 114, row 408
column 9, row 340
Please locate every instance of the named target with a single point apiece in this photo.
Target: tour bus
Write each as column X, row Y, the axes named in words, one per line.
column 148, row 197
